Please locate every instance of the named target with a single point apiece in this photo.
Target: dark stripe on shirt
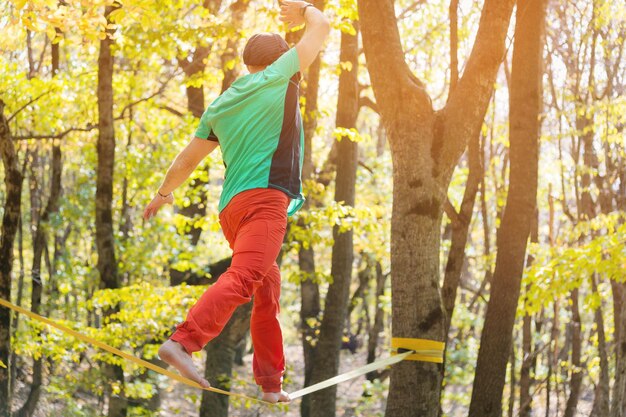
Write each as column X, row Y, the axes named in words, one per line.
column 285, row 168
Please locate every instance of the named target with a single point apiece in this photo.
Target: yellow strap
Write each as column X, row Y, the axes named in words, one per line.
column 124, row 355
column 416, row 350
column 425, row 350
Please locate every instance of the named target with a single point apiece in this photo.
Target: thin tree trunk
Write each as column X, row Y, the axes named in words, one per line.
column 20, row 291
column 460, row 227
column 512, row 382
column 602, row 391
column 525, row 399
column 12, row 208
column 525, row 105
column 309, row 288
column 618, row 404
column 328, row 347
column 378, row 326
column 105, row 241
column 529, row 357
column 576, row 377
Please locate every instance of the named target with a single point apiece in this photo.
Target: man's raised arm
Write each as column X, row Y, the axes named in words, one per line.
column 317, row 28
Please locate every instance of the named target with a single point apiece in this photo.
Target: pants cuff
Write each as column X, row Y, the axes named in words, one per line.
column 185, row 339
column 272, row 383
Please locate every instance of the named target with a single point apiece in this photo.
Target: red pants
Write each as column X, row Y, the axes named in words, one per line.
column 254, row 223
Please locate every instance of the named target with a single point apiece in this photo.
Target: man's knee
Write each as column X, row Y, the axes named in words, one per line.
column 249, row 279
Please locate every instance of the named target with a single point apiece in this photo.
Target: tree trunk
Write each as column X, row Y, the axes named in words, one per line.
column 529, row 358
column 576, row 377
column 618, row 403
column 12, row 207
column 525, row 399
column 425, row 147
column 105, row 240
column 460, row 227
column 525, row 104
column 602, row 391
column 379, row 324
column 219, row 362
column 328, row 349
column 309, row 288
column 309, row 314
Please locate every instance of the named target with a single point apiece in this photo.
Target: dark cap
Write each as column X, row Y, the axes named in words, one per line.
column 263, row 49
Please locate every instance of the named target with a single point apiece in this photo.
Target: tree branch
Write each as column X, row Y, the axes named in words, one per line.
column 468, row 102
column 410, row 9
column 368, row 102
column 28, row 104
column 454, row 44
column 388, row 69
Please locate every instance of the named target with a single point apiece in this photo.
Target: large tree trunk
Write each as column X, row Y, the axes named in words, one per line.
column 105, row 240
column 425, row 147
column 525, row 104
column 328, row 349
column 12, row 206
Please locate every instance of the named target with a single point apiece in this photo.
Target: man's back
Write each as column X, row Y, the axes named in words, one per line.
column 258, row 125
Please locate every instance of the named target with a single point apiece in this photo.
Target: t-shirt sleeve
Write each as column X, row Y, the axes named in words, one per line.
column 204, row 130
column 287, row 65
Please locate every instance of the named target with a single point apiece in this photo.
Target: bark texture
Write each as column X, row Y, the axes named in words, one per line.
column 512, row 237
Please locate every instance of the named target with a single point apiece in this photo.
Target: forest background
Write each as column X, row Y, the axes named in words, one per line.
column 465, row 178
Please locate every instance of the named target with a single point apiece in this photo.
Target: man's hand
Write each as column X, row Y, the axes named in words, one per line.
column 156, row 203
column 291, row 13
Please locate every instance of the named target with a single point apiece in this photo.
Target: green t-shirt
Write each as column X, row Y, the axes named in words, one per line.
column 258, row 125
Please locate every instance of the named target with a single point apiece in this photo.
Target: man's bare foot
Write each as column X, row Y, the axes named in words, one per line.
column 276, row 397
column 175, row 355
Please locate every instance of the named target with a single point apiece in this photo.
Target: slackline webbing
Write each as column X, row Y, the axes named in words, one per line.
column 412, row 349
column 123, row 354
column 352, row 374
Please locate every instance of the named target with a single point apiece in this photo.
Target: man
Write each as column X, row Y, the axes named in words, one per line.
column 258, row 125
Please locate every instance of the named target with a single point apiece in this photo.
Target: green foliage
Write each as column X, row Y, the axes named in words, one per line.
column 557, row 270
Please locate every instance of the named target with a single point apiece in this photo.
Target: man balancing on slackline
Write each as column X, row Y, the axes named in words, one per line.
column 257, row 123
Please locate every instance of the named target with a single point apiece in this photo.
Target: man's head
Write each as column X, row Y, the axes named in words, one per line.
column 262, row 49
